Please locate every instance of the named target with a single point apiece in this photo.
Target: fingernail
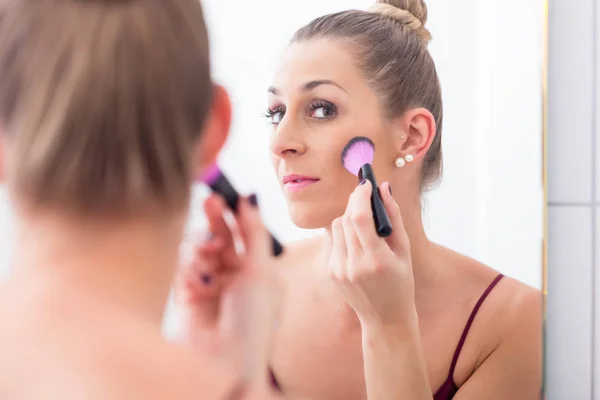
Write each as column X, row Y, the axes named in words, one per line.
column 253, row 200
column 390, row 187
column 362, row 182
column 206, row 279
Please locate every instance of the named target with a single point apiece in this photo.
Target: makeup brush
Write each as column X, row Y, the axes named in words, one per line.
column 214, row 178
column 357, row 158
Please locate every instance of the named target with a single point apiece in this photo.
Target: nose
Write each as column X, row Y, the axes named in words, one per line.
column 287, row 141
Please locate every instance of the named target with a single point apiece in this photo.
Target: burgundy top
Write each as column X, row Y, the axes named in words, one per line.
column 448, row 388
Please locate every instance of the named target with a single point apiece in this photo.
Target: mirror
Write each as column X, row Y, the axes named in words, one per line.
column 489, row 205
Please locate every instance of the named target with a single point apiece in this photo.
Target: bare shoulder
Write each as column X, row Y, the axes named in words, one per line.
column 519, row 312
column 155, row 369
column 503, row 351
column 523, row 312
column 507, row 330
column 510, row 305
column 508, row 299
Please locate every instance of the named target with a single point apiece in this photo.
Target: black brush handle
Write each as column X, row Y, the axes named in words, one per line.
column 232, row 198
column 380, row 215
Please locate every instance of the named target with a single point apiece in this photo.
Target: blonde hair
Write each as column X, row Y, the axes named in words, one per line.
column 390, row 44
column 102, row 100
column 404, row 16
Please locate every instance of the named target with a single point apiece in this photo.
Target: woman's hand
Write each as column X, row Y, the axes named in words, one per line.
column 225, row 297
column 375, row 277
column 374, row 274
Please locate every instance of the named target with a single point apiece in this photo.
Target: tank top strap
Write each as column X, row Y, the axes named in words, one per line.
column 465, row 332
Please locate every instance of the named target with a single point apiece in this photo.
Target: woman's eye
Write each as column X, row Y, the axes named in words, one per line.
column 274, row 116
column 322, row 110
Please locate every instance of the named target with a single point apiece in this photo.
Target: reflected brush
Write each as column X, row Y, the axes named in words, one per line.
column 357, row 158
column 214, row 178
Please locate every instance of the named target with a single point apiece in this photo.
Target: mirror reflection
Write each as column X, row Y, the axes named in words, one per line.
column 419, row 81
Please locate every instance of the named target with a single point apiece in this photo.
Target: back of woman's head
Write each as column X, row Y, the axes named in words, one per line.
column 390, row 46
column 101, row 101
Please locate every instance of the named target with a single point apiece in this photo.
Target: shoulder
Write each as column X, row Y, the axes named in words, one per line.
column 512, row 367
column 518, row 310
column 508, row 332
column 513, row 306
column 155, row 369
column 510, row 308
column 522, row 319
column 503, row 351
column 505, row 301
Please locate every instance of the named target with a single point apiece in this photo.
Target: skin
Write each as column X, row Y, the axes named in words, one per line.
column 367, row 318
column 84, row 305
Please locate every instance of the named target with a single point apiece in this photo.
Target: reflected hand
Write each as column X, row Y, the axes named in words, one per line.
column 374, row 274
column 226, row 298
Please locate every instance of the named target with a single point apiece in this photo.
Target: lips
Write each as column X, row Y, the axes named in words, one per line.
column 298, row 179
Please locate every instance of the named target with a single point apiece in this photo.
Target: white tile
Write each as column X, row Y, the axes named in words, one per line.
column 597, row 307
column 568, row 344
column 597, row 150
column 596, row 154
column 570, row 105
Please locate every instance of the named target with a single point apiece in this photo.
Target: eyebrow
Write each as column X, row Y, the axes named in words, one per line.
column 308, row 86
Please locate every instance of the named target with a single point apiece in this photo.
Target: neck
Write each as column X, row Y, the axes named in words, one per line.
column 128, row 263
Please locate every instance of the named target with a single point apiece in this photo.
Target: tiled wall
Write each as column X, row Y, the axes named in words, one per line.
column 573, row 317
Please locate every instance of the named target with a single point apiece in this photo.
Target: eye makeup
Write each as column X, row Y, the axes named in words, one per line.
column 329, row 111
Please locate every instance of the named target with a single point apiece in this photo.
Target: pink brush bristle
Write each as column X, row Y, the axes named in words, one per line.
column 210, row 175
column 358, row 152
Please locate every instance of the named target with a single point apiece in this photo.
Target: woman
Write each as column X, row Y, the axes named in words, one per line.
column 108, row 113
column 367, row 318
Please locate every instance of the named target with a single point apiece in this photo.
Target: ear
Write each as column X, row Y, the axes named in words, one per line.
column 215, row 132
column 418, row 130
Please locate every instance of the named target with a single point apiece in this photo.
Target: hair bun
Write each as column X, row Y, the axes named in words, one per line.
column 412, row 13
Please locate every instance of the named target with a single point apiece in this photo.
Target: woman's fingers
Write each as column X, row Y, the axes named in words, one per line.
column 363, row 224
column 215, row 209
column 353, row 245
column 256, row 238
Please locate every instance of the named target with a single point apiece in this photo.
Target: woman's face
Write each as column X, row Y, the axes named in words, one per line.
column 318, row 101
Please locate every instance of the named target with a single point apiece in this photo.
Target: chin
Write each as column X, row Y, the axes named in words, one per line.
column 315, row 216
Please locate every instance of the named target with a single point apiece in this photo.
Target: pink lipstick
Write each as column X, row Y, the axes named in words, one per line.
column 295, row 182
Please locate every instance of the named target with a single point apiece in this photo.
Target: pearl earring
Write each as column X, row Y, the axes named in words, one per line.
column 409, row 158
column 400, row 162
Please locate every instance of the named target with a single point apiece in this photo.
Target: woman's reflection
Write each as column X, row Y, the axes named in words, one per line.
column 363, row 317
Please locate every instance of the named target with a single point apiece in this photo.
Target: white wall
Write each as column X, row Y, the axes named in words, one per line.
column 488, row 54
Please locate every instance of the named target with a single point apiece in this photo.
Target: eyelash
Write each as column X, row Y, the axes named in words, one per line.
column 271, row 112
column 323, row 104
column 329, row 106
